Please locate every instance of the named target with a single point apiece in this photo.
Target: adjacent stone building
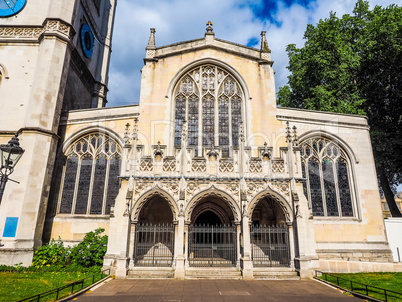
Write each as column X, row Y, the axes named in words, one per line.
column 206, row 176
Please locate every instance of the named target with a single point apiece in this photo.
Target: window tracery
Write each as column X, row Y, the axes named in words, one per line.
column 328, row 188
column 90, row 179
column 210, row 99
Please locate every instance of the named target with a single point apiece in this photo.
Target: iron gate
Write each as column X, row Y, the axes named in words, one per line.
column 212, row 245
column 270, row 246
column 154, row 245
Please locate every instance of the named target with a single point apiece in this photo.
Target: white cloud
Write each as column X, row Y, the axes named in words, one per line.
column 180, row 20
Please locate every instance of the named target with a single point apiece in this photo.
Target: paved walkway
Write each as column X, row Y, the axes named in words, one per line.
column 213, row 290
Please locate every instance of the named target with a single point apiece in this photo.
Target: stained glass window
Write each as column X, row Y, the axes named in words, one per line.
column 193, row 121
column 208, row 118
column 99, row 184
column 221, row 102
column 180, row 116
column 344, row 189
column 236, row 120
column 327, row 187
column 69, row 184
column 92, row 162
column 83, row 184
column 315, row 187
column 224, row 125
column 113, row 183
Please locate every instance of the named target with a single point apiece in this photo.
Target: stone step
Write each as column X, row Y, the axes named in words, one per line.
column 150, row 273
column 275, row 273
column 213, row 273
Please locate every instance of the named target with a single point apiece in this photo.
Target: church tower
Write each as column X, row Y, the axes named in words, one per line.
column 54, row 57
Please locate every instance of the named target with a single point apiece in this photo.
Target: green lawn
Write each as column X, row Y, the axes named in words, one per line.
column 389, row 281
column 17, row 286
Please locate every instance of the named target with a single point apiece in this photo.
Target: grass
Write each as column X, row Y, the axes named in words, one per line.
column 17, row 286
column 388, row 281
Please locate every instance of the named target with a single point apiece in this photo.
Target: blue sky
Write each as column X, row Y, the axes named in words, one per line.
column 239, row 21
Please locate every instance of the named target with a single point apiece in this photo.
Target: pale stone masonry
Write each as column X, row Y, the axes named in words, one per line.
column 206, row 176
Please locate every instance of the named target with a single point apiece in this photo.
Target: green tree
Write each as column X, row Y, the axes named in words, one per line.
column 353, row 65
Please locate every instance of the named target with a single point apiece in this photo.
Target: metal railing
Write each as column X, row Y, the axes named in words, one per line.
column 359, row 289
column 270, row 246
column 212, row 246
column 69, row 289
column 154, row 245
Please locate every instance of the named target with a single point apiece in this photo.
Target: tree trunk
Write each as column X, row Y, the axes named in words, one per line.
column 389, row 195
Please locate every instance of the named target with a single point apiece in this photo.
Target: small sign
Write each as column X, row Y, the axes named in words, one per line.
column 10, row 228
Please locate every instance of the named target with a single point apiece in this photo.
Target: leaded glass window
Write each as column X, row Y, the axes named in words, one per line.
column 90, row 177
column 224, row 125
column 326, row 168
column 208, row 120
column 210, row 99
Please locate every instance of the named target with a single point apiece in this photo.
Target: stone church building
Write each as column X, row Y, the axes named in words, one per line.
column 207, row 176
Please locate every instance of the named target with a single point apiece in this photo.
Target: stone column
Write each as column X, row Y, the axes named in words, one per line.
column 131, row 244
column 291, row 244
column 119, row 231
column 246, row 261
column 179, row 249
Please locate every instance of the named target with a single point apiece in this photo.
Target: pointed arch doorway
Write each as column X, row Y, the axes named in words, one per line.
column 269, row 235
column 212, row 235
column 154, row 234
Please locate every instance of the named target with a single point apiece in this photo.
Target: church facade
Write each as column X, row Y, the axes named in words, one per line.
column 207, row 175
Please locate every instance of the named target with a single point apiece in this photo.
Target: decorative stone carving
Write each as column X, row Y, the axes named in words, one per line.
column 146, row 164
column 226, row 166
column 278, row 166
column 156, row 191
column 282, row 202
column 213, row 192
column 169, row 165
column 198, row 165
column 34, row 32
column 255, row 166
column 194, row 186
column 281, row 186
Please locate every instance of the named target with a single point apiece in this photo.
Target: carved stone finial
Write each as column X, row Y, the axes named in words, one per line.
column 288, row 134
column 151, row 42
column 213, row 152
column 295, row 138
column 266, row 153
column 127, row 134
column 158, row 150
column 264, row 43
column 241, row 133
column 135, row 130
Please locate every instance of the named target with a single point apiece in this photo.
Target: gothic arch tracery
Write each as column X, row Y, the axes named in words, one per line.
column 90, row 181
column 328, row 169
column 213, row 192
column 212, row 101
column 144, row 198
column 285, row 206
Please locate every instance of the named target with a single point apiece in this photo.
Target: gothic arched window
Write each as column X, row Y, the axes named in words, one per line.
column 90, row 176
column 327, row 170
column 210, row 99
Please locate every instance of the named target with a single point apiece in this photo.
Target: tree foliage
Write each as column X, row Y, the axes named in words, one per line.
column 353, row 65
column 88, row 253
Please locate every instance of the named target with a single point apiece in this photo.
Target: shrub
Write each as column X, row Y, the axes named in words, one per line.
column 91, row 250
column 51, row 254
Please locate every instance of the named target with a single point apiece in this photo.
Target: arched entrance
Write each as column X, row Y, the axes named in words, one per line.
column 269, row 235
column 212, row 234
column 154, row 234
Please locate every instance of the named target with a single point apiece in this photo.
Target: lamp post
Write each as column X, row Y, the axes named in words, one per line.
column 10, row 154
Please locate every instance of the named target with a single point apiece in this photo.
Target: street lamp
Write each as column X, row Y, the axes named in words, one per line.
column 10, row 154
